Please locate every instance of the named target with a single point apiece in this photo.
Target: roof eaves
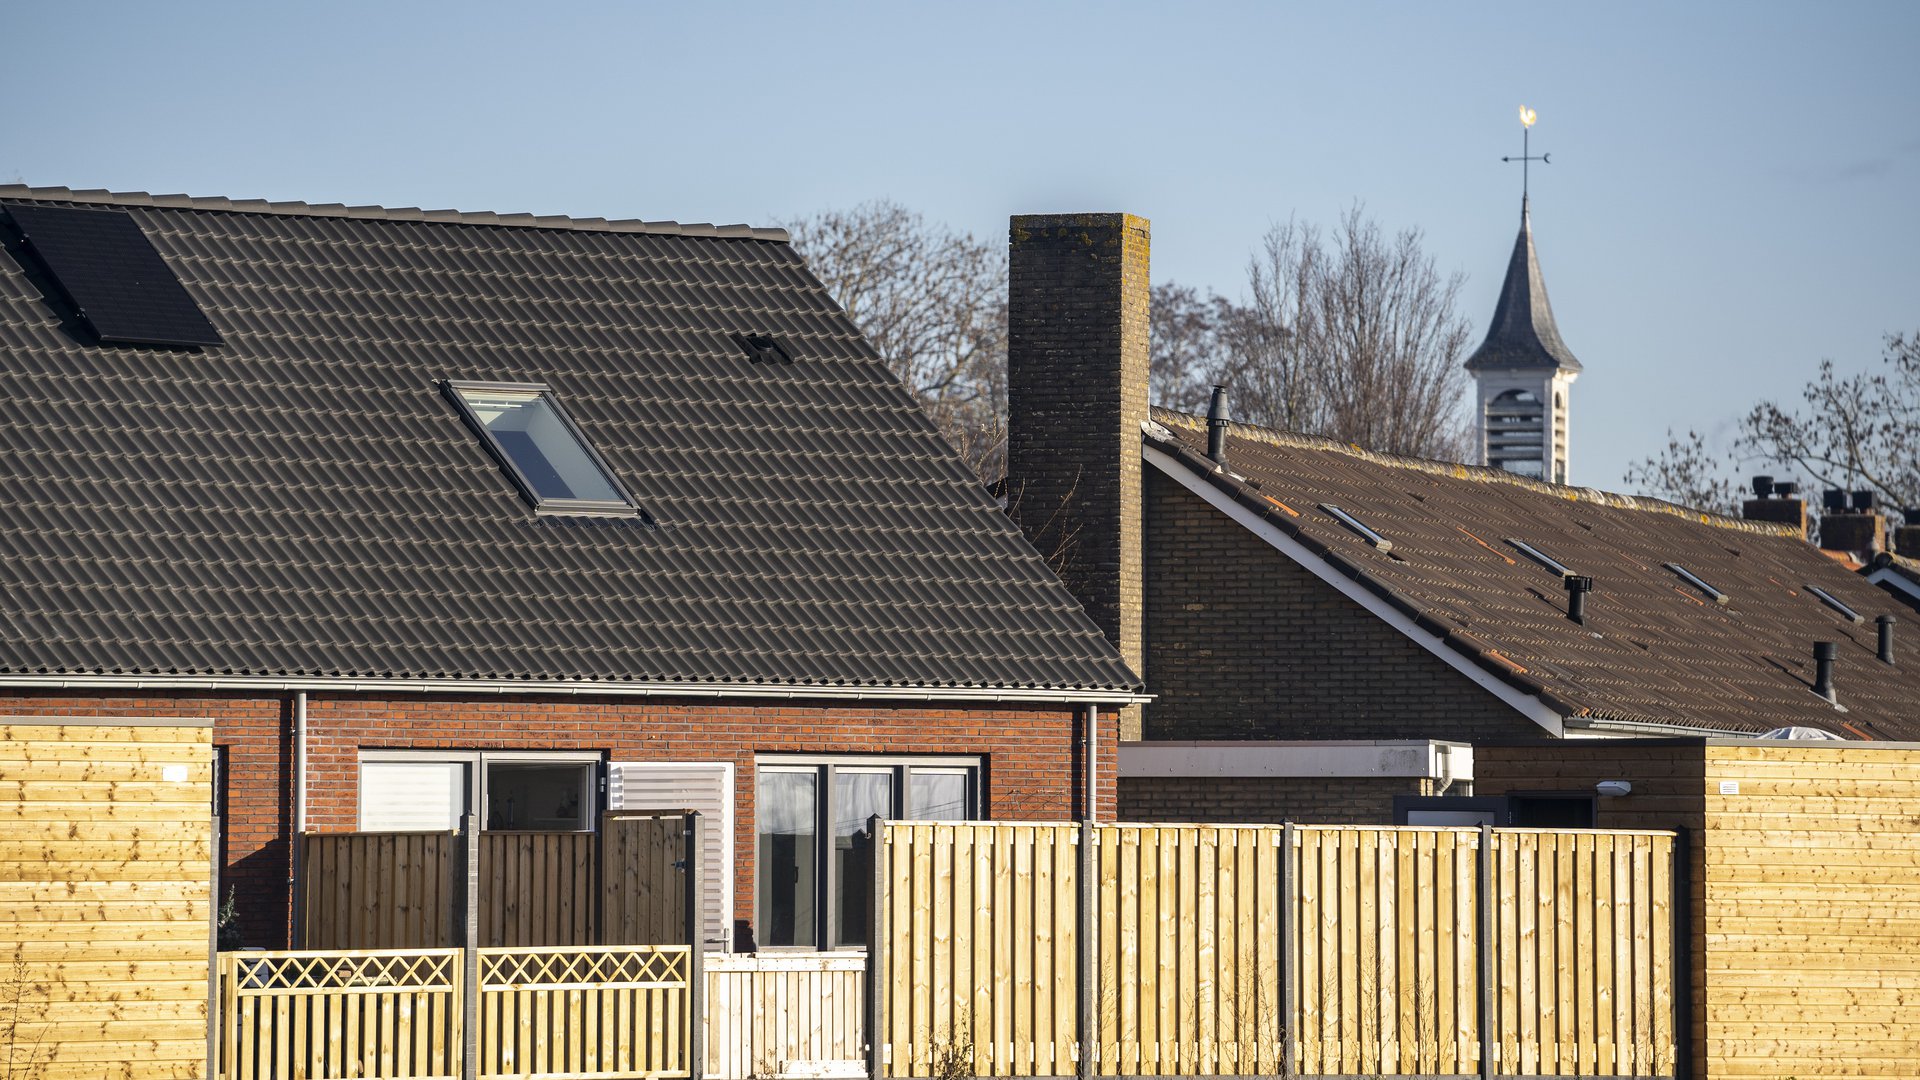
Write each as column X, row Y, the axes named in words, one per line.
column 382, row 213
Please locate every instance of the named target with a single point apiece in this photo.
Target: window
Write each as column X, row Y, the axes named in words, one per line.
column 409, row 791
column 813, row 860
column 557, row 470
column 1539, row 556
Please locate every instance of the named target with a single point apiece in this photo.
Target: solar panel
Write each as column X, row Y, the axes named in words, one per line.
column 107, row 267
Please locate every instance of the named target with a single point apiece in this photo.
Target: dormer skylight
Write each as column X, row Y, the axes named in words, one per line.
column 1834, row 602
column 556, row 468
column 1385, row 545
column 1538, row 556
column 1687, row 576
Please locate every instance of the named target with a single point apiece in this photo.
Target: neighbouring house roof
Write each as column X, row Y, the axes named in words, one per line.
column 1897, row 574
column 304, row 500
column 1523, row 333
column 1656, row 648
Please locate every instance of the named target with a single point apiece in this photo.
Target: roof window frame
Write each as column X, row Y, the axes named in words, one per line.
column 1546, row 561
column 1360, row 528
column 625, row 506
column 1693, row 579
column 1836, row 604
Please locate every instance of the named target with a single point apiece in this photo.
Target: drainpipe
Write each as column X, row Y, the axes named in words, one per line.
column 1093, row 775
column 299, row 813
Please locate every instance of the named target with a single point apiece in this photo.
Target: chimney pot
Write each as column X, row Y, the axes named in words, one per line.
column 1217, row 421
column 1863, row 502
column 1824, row 653
column 1834, row 501
column 1763, row 486
column 1786, row 489
column 1885, row 623
column 1578, row 586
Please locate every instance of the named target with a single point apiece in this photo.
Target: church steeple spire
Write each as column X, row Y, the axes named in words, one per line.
column 1523, row 370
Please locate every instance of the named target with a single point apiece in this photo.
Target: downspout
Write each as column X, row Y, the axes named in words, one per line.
column 1093, row 763
column 299, row 815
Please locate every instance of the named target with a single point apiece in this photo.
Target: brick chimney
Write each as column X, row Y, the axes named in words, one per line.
column 1906, row 538
column 1852, row 524
column 1776, row 502
column 1077, row 395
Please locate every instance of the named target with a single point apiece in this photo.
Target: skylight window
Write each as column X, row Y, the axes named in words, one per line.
column 1385, row 545
column 1834, row 602
column 542, row 449
column 1539, row 556
column 1687, row 576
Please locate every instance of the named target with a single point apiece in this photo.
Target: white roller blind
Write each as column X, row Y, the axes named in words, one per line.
column 703, row 786
column 408, row 796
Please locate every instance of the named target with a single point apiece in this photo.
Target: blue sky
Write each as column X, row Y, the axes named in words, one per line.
column 1732, row 195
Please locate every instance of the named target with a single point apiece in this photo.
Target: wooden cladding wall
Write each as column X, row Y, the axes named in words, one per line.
column 1222, row 951
column 1811, row 913
column 623, row 885
column 106, row 857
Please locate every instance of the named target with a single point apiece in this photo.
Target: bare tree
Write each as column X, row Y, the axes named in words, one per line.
column 1183, row 345
column 1355, row 336
column 933, row 303
column 1688, row 473
column 1855, row 432
column 1859, row 432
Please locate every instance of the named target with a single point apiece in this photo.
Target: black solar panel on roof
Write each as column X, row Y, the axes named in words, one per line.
column 120, row 284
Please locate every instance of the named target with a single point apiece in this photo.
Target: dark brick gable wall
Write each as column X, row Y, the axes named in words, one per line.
column 1032, row 756
column 1243, row 643
column 1250, row 800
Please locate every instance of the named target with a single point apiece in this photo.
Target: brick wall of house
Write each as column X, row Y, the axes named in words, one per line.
column 1032, row 756
column 1244, row 643
column 1246, row 800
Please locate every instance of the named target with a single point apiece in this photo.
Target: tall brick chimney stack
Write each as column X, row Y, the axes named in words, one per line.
column 1077, row 395
column 1776, row 502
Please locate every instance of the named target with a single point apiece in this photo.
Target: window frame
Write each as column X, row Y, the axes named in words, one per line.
column 593, row 795
column 626, row 506
column 824, row 767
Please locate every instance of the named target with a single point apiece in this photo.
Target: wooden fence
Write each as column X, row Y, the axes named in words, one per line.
column 585, row 1012
column 623, row 885
column 777, row 1015
column 1241, row 950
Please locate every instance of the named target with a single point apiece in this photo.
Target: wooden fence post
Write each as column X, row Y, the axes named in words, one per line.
column 1682, row 955
column 1289, row 956
column 1089, row 944
column 876, row 947
column 213, row 957
column 469, row 892
column 1486, row 901
column 696, row 955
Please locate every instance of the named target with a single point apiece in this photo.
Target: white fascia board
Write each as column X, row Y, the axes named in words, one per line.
column 1885, row 576
column 353, row 685
column 1526, row 704
column 1411, row 758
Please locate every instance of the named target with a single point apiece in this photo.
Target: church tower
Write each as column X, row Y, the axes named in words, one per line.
column 1523, row 372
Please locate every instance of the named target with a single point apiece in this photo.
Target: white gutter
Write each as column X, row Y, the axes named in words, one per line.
column 1429, row 759
column 1526, row 704
column 355, row 685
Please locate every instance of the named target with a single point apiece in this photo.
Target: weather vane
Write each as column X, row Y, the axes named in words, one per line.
column 1527, row 118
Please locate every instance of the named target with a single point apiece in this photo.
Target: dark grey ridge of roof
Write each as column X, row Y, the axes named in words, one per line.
column 1523, row 333
column 303, row 502
column 1653, row 650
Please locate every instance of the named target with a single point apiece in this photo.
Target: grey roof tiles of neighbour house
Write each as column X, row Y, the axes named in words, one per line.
column 1655, row 648
column 1523, row 333
column 304, row 500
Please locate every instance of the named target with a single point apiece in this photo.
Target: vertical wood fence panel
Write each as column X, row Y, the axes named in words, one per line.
column 979, row 972
column 774, row 1015
column 377, row 890
column 537, row 888
column 982, row 966
column 642, row 901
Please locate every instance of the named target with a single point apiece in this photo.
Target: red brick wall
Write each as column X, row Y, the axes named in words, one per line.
column 1244, row 643
column 1032, row 756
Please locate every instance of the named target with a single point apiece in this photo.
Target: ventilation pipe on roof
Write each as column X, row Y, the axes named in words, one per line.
column 1578, row 586
column 1824, row 653
column 1217, row 421
column 1886, row 638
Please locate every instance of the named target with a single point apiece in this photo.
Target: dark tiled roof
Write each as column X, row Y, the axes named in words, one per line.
column 303, row 501
column 1523, row 333
column 1655, row 648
